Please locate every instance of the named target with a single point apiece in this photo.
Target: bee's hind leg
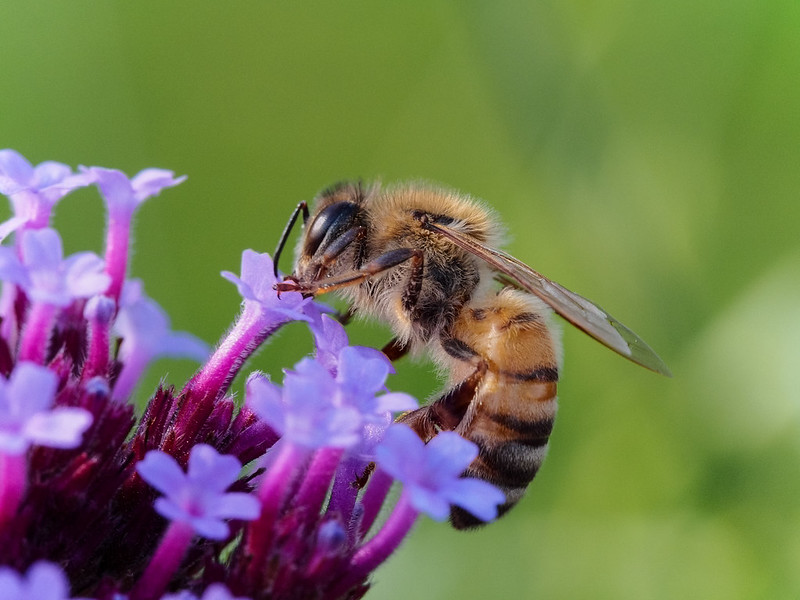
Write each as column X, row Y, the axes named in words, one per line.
column 448, row 411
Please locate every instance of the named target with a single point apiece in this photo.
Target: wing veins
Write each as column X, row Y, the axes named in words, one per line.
column 580, row 312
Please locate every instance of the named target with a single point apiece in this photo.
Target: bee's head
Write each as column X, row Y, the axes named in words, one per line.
column 333, row 228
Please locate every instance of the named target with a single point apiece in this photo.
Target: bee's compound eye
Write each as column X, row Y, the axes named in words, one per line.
column 331, row 222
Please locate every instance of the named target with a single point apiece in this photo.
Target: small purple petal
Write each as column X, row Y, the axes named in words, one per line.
column 362, row 371
column 478, row 497
column 31, row 387
column 25, row 415
column 49, row 173
column 395, row 402
column 11, row 269
column 123, row 195
column 212, row 470
column 210, row 527
column 145, row 331
column 47, row 278
column 42, row 249
column 34, row 191
column 15, row 172
column 430, row 502
column 238, row 505
column 62, row 427
column 431, row 474
column 43, row 581
column 150, row 182
column 84, row 276
column 216, row 591
column 449, row 454
column 256, row 284
column 161, row 471
column 198, row 497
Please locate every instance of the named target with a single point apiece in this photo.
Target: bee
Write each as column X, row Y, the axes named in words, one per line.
column 425, row 261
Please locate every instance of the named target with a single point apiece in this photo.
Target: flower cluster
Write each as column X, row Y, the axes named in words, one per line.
column 201, row 496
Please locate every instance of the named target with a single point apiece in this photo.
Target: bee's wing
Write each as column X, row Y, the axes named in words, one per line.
column 579, row 311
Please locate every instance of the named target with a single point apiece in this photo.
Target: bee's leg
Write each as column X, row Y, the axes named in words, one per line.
column 383, row 263
column 420, row 420
column 345, row 317
column 395, row 349
column 301, row 207
column 453, row 406
column 448, row 411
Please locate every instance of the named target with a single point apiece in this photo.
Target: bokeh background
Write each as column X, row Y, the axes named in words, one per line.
column 645, row 154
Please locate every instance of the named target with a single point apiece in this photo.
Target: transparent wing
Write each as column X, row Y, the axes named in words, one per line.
column 579, row 311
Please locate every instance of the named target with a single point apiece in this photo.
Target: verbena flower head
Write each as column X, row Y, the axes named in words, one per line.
column 46, row 276
column 201, row 496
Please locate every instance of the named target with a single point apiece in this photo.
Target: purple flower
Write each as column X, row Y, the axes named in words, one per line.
column 306, row 411
column 361, row 374
column 215, row 591
column 43, row 581
column 431, row 473
column 329, row 338
column 44, row 273
column 123, row 195
column 257, row 285
column 26, row 417
column 145, row 331
column 316, row 409
column 198, row 497
column 34, row 190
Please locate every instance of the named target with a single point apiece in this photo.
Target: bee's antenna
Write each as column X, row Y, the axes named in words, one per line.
column 302, row 206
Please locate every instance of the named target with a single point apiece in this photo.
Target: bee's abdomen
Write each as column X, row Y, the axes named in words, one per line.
column 513, row 406
column 512, row 446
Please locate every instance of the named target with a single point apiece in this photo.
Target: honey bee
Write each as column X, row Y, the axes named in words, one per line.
column 425, row 261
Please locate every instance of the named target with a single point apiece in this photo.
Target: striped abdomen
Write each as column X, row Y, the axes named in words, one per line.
column 504, row 366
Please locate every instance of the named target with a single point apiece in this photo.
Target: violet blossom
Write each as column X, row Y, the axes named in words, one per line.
column 201, row 497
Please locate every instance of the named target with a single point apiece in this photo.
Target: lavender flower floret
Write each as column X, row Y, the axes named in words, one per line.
column 27, row 416
column 215, row 591
column 34, row 190
column 257, row 285
column 198, row 496
column 124, row 195
column 42, row 581
column 46, row 276
column 145, row 331
column 431, row 474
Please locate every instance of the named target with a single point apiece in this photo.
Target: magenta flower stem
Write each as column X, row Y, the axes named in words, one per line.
column 97, row 361
column 317, row 480
column 165, row 562
column 247, row 334
column 345, row 487
column 117, row 240
column 13, row 468
column 374, row 496
column 36, row 335
column 271, row 493
column 381, row 546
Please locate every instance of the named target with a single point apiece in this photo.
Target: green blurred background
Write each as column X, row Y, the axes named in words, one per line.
column 645, row 154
